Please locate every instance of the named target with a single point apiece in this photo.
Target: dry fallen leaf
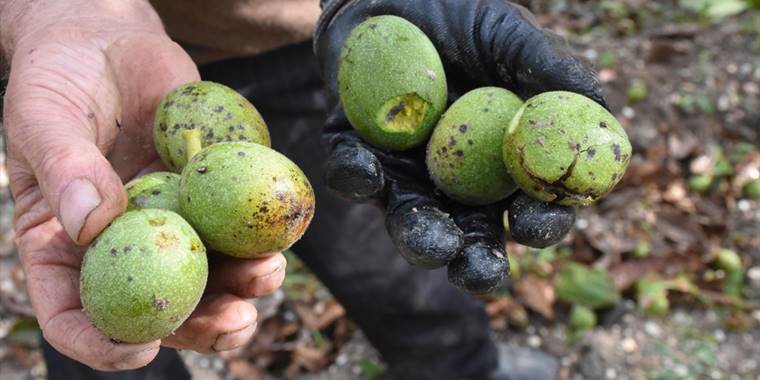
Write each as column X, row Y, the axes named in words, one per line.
column 243, row 370
column 537, row 294
column 626, row 273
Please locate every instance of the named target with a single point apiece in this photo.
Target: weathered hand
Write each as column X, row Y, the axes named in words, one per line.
column 86, row 77
column 481, row 43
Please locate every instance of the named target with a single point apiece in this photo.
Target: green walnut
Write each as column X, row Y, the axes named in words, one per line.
column 391, row 83
column 566, row 148
column 154, row 190
column 198, row 114
column 143, row 276
column 464, row 152
column 245, row 200
column 751, row 189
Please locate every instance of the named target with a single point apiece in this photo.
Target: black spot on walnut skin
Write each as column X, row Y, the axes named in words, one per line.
column 590, row 153
column 602, row 125
column 479, row 269
column 160, row 303
column 201, row 169
column 538, row 224
column 616, row 151
column 463, row 128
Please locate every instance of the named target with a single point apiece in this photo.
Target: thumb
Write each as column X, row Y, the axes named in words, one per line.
column 80, row 187
column 55, row 145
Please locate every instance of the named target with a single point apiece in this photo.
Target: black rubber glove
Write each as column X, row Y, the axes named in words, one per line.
column 481, row 43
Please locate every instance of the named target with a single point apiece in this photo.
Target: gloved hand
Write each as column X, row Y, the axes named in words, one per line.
column 481, row 43
column 85, row 79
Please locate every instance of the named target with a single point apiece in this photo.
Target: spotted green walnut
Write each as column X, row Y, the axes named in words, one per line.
column 391, row 83
column 245, row 200
column 566, row 148
column 464, row 152
column 195, row 115
column 143, row 276
column 153, row 190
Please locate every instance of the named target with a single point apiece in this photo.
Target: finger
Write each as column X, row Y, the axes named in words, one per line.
column 221, row 322
column 538, row 224
column 60, row 138
column 354, row 173
column 79, row 184
column 527, row 59
column 424, row 235
column 246, row 278
column 72, row 334
column 557, row 69
column 482, row 264
column 51, row 263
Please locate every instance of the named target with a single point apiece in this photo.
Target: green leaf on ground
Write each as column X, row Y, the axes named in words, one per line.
column 586, row 286
column 371, row 369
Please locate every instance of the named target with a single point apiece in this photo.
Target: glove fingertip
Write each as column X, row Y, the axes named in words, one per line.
column 427, row 237
column 479, row 269
column 538, row 224
column 355, row 173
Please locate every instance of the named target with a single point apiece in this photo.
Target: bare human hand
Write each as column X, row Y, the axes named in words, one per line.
column 86, row 76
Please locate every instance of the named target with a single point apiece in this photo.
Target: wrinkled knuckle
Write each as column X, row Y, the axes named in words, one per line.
column 51, row 158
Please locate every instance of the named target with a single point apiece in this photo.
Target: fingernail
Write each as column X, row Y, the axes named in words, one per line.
column 136, row 359
column 262, row 285
column 77, row 201
column 233, row 340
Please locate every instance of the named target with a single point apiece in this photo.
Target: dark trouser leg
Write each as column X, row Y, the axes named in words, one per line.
column 423, row 327
column 167, row 365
